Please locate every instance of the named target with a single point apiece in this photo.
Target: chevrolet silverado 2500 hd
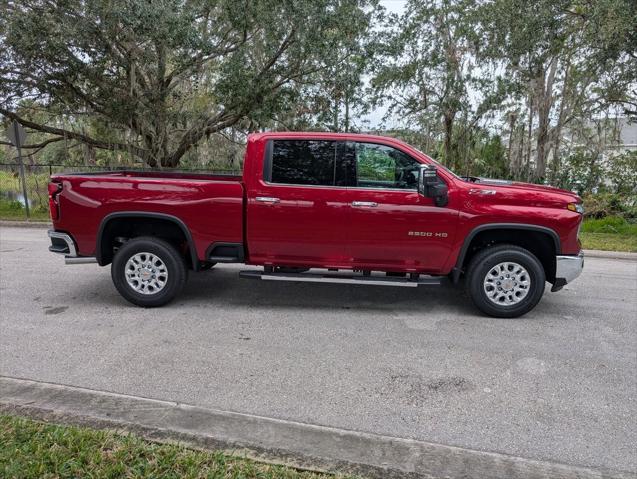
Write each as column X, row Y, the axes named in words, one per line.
column 323, row 207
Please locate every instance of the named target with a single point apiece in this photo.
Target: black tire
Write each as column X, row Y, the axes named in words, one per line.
column 175, row 267
column 485, row 261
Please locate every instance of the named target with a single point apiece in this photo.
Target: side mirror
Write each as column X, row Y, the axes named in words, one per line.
column 431, row 186
column 428, row 176
column 440, row 194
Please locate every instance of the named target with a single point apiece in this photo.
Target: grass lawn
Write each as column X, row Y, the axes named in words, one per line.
column 609, row 241
column 12, row 210
column 612, row 233
column 31, row 449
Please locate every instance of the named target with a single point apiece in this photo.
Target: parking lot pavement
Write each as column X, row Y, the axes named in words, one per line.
column 559, row 384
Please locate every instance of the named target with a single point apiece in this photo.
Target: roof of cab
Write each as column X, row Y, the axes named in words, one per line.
column 321, row 134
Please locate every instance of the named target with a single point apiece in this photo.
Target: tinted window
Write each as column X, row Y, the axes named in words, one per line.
column 303, row 162
column 345, row 163
column 380, row 166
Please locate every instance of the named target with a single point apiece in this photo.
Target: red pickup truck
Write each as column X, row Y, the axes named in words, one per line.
column 323, row 207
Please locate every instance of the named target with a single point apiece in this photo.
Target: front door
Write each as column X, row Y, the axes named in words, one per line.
column 391, row 226
column 297, row 214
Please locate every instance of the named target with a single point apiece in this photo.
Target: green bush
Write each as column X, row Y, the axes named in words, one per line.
column 14, row 210
column 12, row 205
column 610, row 204
column 622, row 172
column 585, row 171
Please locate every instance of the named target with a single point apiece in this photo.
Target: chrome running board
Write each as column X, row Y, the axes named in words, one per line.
column 342, row 279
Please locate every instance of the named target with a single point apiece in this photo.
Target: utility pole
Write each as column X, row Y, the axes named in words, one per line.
column 17, row 136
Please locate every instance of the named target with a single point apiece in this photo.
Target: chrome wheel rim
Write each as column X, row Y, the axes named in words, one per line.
column 146, row 273
column 507, row 283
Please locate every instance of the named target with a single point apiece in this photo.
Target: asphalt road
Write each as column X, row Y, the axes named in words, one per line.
column 559, row 384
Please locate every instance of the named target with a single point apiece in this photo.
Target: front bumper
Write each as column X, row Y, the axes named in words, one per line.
column 567, row 268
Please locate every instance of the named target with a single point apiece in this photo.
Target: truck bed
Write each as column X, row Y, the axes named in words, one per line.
column 209, row 205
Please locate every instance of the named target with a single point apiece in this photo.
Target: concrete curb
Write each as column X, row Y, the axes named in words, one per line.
column 25, row 224
column 300, row 445
column 595, row 253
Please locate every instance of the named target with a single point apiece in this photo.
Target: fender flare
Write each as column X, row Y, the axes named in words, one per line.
column 455, row 273
column 145, row 214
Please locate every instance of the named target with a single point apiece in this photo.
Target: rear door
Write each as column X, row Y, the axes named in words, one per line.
column 391, row 226
column 297, row 214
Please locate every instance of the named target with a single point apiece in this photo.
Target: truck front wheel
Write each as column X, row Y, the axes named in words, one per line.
column 148, row 271
column 505, row 281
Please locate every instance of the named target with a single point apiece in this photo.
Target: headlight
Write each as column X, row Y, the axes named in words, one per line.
column 577, row 207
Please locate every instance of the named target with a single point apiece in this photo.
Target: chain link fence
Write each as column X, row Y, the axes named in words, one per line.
column 13, row 201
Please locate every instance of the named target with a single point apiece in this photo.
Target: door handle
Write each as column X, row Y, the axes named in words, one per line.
column 267, row 199
column 364, row 204
column 480, row 191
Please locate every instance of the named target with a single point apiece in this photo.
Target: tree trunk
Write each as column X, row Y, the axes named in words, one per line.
column 520, row 158
column 545, row 103
column 337, row 104
column 346, row 112
column 512, row 122
column 89, row 154
column 557, row 135
column 530, row 134
column 448, row 121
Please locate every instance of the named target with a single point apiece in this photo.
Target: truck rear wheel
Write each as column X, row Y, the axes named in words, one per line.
column 505, row 281
column 148, row 271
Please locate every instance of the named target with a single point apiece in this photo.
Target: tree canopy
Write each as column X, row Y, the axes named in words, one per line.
column 159, row 76
column 503, row 87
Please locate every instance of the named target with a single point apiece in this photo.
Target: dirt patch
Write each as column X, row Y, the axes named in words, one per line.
column 415, row 390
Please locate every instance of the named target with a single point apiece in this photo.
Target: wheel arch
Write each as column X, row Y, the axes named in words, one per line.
column 103, row 251
column 540, row 240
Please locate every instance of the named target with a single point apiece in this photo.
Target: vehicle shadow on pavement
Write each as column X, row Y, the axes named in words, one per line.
column 224, row 286
column 221, row 288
